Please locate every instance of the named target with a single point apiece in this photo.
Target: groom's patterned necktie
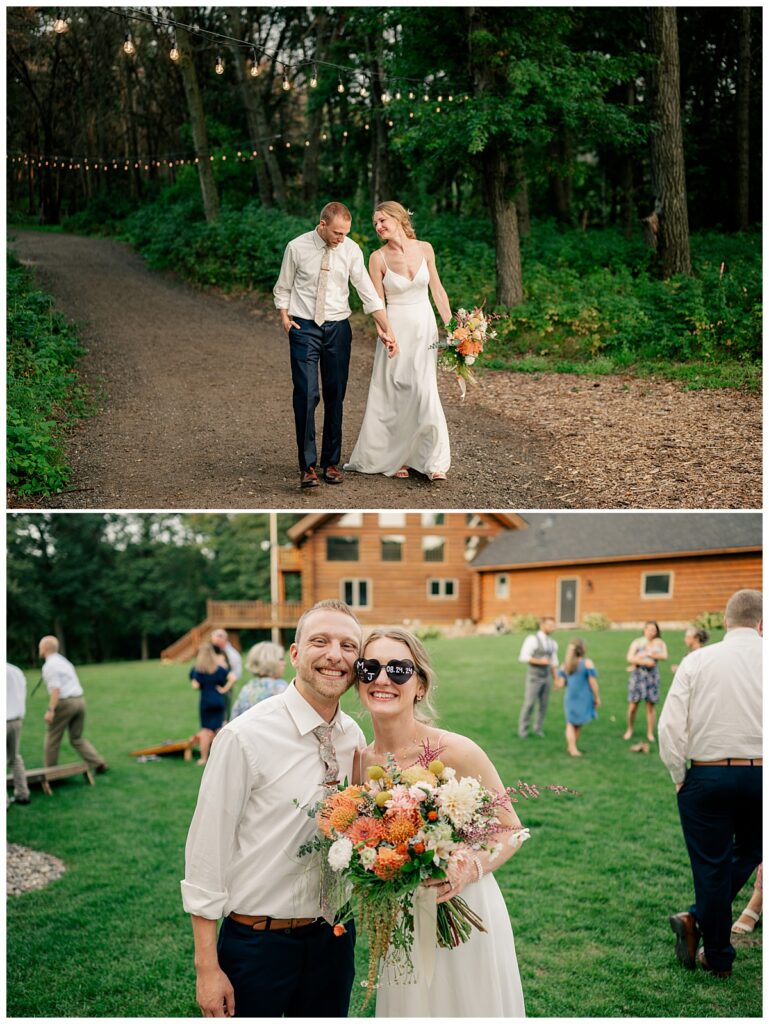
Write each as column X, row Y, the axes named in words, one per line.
column 327, row 755
column 320, row 301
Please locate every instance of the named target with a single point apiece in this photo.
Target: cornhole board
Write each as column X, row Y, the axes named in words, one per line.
column 45, row 776
column 170, row 747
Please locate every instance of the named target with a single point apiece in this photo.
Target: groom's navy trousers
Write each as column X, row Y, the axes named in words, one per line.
column 720, row 809
column 300, row 972
column 326, row 351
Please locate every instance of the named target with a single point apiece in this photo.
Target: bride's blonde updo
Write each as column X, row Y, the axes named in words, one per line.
column 399, row 213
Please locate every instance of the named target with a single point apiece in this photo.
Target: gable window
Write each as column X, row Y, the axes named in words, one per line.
column 342, row 549
column 438, row 588
column 502, row 585
column 392, row 547
column 354, row 519
column 393, row 520
column 433, row 549
column 657, row 584
column 473, row 546
column 429, row 519
column 356, row 593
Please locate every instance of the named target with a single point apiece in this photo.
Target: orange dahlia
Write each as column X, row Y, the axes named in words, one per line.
column 337, row 816
column 366, row 830
column 401, row 828
column 388, row 863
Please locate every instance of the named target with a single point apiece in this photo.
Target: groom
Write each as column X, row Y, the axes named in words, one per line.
column 312, row 295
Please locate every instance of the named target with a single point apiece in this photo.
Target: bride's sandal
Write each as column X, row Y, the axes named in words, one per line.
column 402, row 473
column 437, row 476
column 738, row 928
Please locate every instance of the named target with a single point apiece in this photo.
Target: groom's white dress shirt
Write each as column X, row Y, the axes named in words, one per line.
column 241, row 852
column 714, row 707
column 297, row 285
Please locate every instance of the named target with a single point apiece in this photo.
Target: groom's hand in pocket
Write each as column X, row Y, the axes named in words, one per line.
column 287, row 323
column 214, row 993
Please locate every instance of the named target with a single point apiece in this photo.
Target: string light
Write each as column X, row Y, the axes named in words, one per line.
column 174, row 54
column 385, row 96
column 314, row 79
column 219, row 66
column 340, row 86
column 255, row 69
column 60, row 26
column 128, row 46
column 398, row 95
column 411, row 95
column 363, row 91
column 286, row 83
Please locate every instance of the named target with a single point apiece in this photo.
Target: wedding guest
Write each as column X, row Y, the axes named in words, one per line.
column 643, row 656
column 312, row 295
column 66, row 708
column 694, row 638
column 749, row 918
column 582, row 699
column 266, row 662
column 540, row 652
column 233, row 661
column 275, row 955
column 209, row 675
column 712, row 719
column 15, row 706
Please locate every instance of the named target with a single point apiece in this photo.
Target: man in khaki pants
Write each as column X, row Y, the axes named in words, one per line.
column 66, row 708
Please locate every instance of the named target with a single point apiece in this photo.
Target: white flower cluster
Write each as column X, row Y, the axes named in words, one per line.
column 339, row 854
column 459, row 801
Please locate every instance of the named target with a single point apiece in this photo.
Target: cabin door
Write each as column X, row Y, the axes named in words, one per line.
column 568, row 589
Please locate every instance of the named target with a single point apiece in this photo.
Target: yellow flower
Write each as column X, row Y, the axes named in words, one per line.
column 411, row 776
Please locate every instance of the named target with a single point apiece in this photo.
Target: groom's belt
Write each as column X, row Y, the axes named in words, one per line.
column 739, row 761
column 262, row 923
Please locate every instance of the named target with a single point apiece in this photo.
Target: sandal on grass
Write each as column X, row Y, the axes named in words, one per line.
column 738, row 928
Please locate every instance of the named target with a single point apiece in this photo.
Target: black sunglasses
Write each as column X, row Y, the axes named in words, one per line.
column 399, row 672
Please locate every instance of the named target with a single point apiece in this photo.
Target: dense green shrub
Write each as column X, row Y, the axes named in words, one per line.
column 596, row 621
column 43, row 394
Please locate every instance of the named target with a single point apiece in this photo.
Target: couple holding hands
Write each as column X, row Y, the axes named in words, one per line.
column 404, row 427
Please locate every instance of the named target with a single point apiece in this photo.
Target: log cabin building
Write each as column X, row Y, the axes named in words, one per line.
column 445, row 568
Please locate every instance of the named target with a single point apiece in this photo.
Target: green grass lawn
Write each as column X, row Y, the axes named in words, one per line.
column 589, row 896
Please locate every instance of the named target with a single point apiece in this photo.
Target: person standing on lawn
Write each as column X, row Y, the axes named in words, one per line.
column 712, row 718
column 275, row 954
column 221, row 643
column 15, row 705
column 540, row 652
column 66, row 708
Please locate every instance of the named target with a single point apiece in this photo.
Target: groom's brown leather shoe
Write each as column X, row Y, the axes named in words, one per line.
column 687, row 935
column 332, row 475
column 309, row 478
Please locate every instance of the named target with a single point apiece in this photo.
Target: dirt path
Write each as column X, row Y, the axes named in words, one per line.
column 196, row 413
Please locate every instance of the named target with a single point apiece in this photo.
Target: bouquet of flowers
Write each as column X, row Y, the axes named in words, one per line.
column 467, row 332
column 379, row 841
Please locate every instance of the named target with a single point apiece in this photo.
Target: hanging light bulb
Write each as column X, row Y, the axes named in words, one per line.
column 363, row 91
column 398, row 95
column 128, row 46
column 60, row 26
column 314, row 79
column 411, row 94
column 219, row 66
column 340, row 86
column 451, row 99
column 174, row 54
column 385, row 96
column 426, row 97
column 286, row 83
column 254, row 65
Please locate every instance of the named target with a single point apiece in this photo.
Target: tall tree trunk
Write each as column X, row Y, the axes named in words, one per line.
column 743, row 120
column 145, row 646
column 522, row 196
column 197, row 119
column 504, row 217
column 667, row 148
column 249, row 90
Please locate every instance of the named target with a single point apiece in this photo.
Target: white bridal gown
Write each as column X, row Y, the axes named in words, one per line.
column 404, row 424
column 479, row 978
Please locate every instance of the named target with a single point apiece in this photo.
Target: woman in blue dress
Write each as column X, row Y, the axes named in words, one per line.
column 582, row 700
column 209, row 675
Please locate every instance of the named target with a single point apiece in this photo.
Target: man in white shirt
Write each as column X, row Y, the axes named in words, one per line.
column 66, row 708
column 540, row 652
column 15, row 705
column 275, row 955
column 312, row 294
column 712, row 719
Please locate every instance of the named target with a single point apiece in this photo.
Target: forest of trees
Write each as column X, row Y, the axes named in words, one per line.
column 115, row 586
column 648, row 119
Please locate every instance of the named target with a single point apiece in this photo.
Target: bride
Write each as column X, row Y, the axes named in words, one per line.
column 478, row 978
column 404, row 425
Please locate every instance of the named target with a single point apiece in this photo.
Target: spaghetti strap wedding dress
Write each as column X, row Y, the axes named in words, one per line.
column 404, row 423
column 479, row 978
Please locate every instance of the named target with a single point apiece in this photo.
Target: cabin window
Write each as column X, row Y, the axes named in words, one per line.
column 657, row 584
column 433, row 519
column 392, row 547
column 439, row 588
column 473, row 520
column 392, row 520
column 356, row 593
column 342, row 549
column 473, row 546
column 502, row 585
column 433, row 549
column 354, row 519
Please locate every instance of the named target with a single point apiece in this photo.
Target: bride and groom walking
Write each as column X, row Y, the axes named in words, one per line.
column 404, row 427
